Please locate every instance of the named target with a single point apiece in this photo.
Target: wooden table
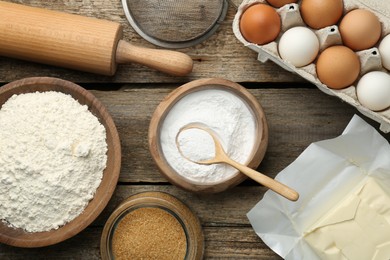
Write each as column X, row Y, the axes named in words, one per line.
column 297, row 112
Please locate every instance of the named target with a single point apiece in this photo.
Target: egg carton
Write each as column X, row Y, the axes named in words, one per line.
column 370, row 59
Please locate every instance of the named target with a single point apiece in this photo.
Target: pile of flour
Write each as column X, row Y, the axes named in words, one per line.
column 53, row 153
column 225, row 114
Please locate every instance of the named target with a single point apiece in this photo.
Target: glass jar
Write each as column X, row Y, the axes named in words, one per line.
column 154, row 225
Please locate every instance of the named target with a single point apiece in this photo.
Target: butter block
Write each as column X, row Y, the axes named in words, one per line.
column 357, row 228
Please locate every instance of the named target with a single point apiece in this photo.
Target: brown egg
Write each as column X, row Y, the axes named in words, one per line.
column 280, row 3
column 338, row 67
column 260, row 24
column 360, row 29
column 321, row 13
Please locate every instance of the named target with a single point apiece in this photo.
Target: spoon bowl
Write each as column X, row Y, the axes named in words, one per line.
column 220, row 156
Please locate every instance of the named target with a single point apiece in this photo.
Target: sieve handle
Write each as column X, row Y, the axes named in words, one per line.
column 171, row 62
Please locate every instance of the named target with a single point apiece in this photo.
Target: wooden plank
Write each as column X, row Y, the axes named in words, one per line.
column 227, row 231
column 222, row 209
column 296, row 118
column 220, row 243
column 235, row 243
column 85, row 245
column 222, row 55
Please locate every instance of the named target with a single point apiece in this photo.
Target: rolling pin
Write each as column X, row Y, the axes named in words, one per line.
column 77, row 42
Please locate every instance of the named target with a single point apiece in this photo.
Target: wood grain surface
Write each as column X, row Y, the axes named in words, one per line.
column 297, row 114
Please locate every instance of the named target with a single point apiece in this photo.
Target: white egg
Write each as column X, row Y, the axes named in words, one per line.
column 384, row 50
column 373, row 90
column 298, row 46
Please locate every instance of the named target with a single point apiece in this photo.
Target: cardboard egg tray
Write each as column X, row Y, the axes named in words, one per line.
column 370, row 59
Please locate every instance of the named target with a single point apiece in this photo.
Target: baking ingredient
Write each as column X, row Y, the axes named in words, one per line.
column 298, row 46
column 357, row 228
column 280, row 3
column 53, row 153
column 319, row 13
column 196, row 144
column 149, row 233
column 341, row 165
column 338, row 67
column 373, row 90
column 384, row 50
column 224, row 113
column 360, row 29
column 260, row 24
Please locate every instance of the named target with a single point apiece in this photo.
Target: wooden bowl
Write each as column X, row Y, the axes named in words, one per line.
column 162, row 111
column 21, row 238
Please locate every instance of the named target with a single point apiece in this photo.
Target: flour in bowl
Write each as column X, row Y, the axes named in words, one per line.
column 227, row 115
column 53, row 153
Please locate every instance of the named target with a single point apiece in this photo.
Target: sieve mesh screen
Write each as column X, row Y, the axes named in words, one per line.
column 174, row 21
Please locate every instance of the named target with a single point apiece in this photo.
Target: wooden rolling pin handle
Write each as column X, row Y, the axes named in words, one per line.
column 171, row 62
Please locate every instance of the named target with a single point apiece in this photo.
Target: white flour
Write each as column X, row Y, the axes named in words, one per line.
column 227, row 115
column 196, row 145
column 53, row 153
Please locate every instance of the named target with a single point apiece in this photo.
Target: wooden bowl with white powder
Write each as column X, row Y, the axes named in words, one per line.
column 225, row 107
column 84, row 176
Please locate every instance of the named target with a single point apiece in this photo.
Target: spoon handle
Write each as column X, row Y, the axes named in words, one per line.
column 268, row 182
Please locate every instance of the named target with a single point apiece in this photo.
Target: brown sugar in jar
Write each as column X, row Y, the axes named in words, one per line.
column 152, row 225
column 149, row 233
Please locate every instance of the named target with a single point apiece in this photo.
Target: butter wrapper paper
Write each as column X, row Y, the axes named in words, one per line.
column 331, row 175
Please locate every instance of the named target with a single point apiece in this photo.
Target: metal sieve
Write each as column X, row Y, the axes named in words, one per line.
column 175, row 23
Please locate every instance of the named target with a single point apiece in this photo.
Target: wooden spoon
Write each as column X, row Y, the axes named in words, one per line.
column 221, row 157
